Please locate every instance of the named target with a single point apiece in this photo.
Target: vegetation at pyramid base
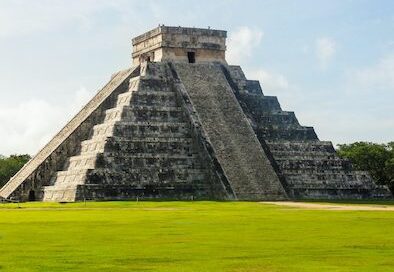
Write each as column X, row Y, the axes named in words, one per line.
column 377, row 159
column 10, row 165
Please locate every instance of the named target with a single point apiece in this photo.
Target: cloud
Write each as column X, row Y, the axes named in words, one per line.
column 374, row 78
column 271, row 82
column 26, row 127
column 325, row 50
column 240, row 46
column 241, row 43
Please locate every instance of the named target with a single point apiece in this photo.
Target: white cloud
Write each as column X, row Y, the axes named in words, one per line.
column 377, row 77
column 271, row 82
column 241, row 43
column 26, row 127
column 240, row 47
column 325, row 50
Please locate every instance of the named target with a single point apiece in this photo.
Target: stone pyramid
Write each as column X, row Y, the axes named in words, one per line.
column 183, row 124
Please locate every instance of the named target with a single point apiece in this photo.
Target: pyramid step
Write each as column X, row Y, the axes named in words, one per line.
column 143, row 160
column 154, row 84
column 310, row 162
column 141, row 113
column 83, row 161
column 288, row 155
column 309, row 146
column 140, row 128
column 72, row 177
column 103, row 130
column 96, row 144
column 145, row 176
column 142, row 97
column 131, row 146
column 151, row 129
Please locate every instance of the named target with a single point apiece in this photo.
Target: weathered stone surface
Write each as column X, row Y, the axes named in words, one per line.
column 186, row 126
column 243, row 160
column 143, row 149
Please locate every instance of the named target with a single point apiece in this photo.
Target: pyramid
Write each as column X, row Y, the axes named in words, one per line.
column 183, row 124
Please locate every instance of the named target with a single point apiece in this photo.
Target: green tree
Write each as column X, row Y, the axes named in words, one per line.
column 377, row 159
column 10, row 166
column 389, row 169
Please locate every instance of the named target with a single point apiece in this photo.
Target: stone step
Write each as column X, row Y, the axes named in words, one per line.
column 141, row 128
column 145, row 176
column 96, row 144
column 289, row 133
column 280, row 119
column 137, row 160
column 288, row 155
column 306, row 146
column 103, row 130
column 152, row 160
column 152, row 129
column 72, row 172
column 299, row 162
column 101, row 140
column 140, row 113
column 142, row 97
column 321, row 177
column 331, row 185
column 85, row 160
column 154, row 84
column 131, row 146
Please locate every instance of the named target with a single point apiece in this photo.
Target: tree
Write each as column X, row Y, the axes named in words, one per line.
column 10, row 166
column 389, row 169
column 377, row 159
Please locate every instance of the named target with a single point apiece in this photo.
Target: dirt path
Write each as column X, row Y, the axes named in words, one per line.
column 335, row 207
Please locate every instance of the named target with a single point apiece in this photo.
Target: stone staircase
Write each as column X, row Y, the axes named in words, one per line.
column 237, row 148
column 142, row 149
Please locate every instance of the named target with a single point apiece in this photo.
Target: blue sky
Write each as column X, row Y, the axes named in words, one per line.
column 332, row 62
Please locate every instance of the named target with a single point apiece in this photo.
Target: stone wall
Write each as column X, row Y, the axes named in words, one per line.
column 166, row 43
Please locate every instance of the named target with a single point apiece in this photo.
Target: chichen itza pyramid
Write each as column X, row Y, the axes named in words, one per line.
column 184, row 124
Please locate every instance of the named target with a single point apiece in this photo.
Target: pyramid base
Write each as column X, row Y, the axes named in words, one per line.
column 123, row 192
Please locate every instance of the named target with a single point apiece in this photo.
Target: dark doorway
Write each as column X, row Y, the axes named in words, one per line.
column 32, row 195
column 191, row 56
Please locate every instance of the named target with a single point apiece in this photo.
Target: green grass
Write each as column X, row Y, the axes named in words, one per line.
column 192, row 236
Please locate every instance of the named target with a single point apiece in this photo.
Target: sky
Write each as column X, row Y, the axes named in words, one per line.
column 331, row 62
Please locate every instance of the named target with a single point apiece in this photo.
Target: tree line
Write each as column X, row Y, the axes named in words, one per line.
column 377, row 159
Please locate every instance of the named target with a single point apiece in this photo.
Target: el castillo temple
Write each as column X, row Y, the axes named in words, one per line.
column 182, row 123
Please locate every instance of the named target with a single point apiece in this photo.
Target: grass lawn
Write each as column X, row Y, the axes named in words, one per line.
column 192, row 236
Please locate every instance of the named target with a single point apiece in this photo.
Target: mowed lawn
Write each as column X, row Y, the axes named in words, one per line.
column 192, row 236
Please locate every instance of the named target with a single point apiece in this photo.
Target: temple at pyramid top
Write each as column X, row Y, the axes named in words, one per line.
column 180, row 44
